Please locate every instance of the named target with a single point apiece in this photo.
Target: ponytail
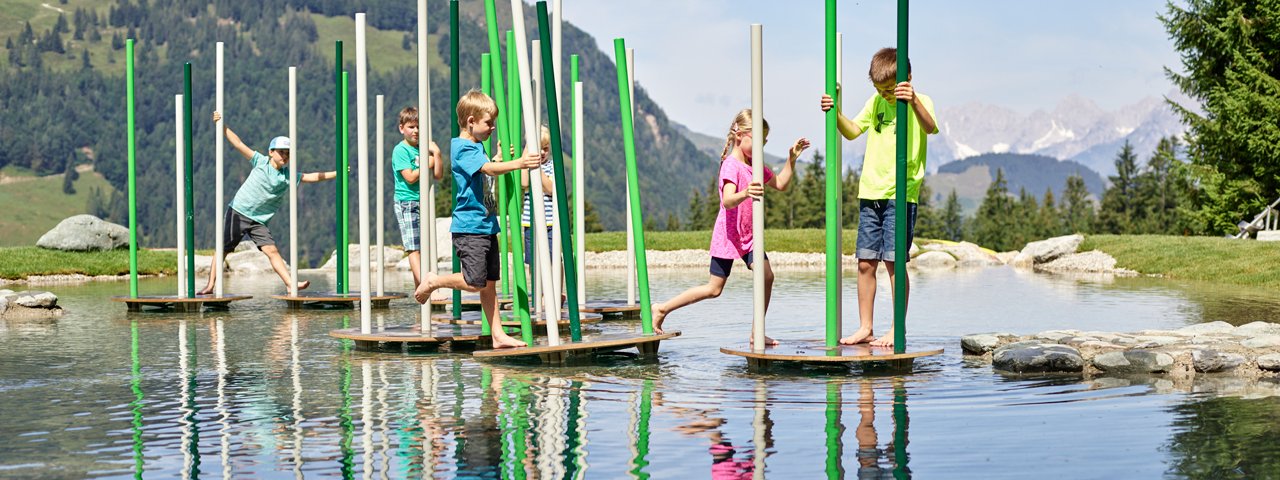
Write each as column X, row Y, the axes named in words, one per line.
column 741, row 123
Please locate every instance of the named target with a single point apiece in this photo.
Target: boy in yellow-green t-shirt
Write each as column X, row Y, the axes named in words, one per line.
column 877, row 185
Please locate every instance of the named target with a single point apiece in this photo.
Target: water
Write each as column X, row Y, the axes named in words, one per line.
column 258, row 392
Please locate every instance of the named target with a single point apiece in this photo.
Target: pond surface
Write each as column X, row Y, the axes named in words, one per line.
column 259, row 392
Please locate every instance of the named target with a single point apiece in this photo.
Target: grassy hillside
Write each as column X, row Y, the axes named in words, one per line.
column 33, row 205
column 1211, row 259
column 388, row 44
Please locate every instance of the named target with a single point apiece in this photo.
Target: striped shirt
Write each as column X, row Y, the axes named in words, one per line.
column 548, row 169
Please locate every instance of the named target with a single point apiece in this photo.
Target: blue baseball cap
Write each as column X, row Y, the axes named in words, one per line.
column 280, row 143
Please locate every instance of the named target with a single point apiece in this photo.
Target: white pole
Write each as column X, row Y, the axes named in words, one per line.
column 757, row 176
column 759, row 429
column 557, row 263
column 366, row 417
column 532, row 136
column 382, row 259
column 579, row 195
column 224, row 414
column 293, row 182
column 426, row 213
column 296, row 371
column 631, row 233
column 219, row 248
column 362, row 154
column 181, row 201
column 183, row 387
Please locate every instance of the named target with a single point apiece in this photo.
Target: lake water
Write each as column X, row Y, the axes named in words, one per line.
column 260, row 392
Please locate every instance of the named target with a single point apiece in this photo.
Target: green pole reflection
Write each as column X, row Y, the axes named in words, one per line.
column 835, row 430
column 135, row 383
column 191, row 429
column 514, row 424
column 344, row 410
column 575, row 462
column 642, row 432
column 900, row 423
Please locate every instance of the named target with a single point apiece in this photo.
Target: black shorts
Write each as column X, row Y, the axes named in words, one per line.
column 478, row 258
column 236, row 226
column 721, row 267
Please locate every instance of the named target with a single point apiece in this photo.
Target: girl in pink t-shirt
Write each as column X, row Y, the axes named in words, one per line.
column 731, row 238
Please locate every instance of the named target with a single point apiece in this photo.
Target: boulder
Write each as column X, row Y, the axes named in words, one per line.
column 1046, row 250
column 29, row 305
column 1133, row 361
column 934, row 260
column 1254, row 329
column 391, row 256
column 1209, row 361
column 981, row 343
column 443, row 238
column 1029, row 357
column 1006, row 257
column 249, row 262
column 1264, row 341
column 35, row 299
column 1268, row 236
column 1092, row 261
column 1270, row 361
column 1208, row 328
column 85, row 233
column 914, row 250
column 965, row 253
column 203, row 263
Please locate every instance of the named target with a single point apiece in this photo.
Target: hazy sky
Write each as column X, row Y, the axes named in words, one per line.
column 693, row 56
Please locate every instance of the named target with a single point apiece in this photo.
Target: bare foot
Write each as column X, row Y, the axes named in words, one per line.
column 502, row 340
column 885, row 341
column 863, row 335
column 658, row 316
column 304, row 284
column 768, row 341
column 207, row 290
column 423, row 292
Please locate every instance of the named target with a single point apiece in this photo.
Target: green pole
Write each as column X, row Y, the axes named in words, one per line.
column 337, row 165
column 135, row 383
column 188, row 171
column 900, row 424
column 633, row 181
column 486, row 85
column 344, row 269
column 834, row 268
column 562, row 186
column 900, row 203
column 834, row 430
column 133, row 193
column 495, row 63
column 455, row 92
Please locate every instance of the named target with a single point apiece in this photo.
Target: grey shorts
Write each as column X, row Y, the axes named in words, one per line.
column 478, row 258
column 876, row 229
column 236, row 226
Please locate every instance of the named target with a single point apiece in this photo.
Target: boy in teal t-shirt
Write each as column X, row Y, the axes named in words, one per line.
column 877, row 185
column 404, row 163
column 475, row 223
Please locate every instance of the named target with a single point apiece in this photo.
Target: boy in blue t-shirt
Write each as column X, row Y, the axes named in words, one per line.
column 404, row 163
column 475, row 223
column 258, row 199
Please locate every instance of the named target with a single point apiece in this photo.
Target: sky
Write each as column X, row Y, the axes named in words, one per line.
column 693, row 56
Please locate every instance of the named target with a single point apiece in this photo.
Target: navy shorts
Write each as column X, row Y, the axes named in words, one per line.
column 721, row 267
column 528, row 244
column 478, row 258
column 876, row 229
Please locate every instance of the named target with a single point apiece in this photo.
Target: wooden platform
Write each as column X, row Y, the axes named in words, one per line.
column 509, row 319
column 612, row 307
column 179, row 304
column 816, row 352
column 340, row 300
column 398, row 337
column 646, row 345
column 470, row 301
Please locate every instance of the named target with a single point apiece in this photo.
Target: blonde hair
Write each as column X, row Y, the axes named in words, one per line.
column 884, row 66
column 741, row 123
column 545, row 138
column 475, row 104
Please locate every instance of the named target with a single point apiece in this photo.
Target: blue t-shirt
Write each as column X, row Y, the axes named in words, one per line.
column 263, row 192
column 475, row 211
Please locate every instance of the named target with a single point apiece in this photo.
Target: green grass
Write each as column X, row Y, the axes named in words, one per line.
column 21, row 262
column 1212, row 259
column 384, row 46
column 14, row 12
column 799, row 240
column 33, row 207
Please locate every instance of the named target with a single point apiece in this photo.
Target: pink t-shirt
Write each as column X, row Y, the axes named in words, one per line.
column 732, row 235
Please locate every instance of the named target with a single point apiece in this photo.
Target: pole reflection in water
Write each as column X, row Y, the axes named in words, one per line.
column 549, row 430
column 188, row 408
column 427, row 415
column 384, row 429
column 295, row 369
column 834, row 430
column 575, row 463
column 366, row 419
column 762, row 426
column 640, row 430
column 900, row 423
column 224, row 415
column 870, row 455
column 135, row 383
column 344, row 409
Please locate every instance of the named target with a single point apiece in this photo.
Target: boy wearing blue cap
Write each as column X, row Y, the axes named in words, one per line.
column 258, row 199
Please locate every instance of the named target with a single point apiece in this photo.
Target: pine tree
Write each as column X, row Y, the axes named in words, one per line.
column 952, row 218
column 94, row 35
column 84, row 60
column 1077, row 210
column 992, row 225
column 27, row 36
column 1049, row 222
column 591, row 218
column 61, row 25
column 673, row 223
column 811, row 208
column 117, row 42
column 849, row 200
column 407, row 42
column 1120, row 203
column 928, row 219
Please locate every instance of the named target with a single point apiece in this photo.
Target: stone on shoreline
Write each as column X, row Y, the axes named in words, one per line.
column 1209, row 361
column 29, row 304
column 934, row 260
column 1036, row 357
column 981, row 343
column 1093, row 261
column 1133, row 361
column 1047, row 250
column 1270, row 362
column 84, row 233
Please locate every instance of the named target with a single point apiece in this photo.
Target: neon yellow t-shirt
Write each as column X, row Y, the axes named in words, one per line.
column 878, row 122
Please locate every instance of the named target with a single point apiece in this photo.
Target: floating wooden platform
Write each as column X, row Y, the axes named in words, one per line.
column 612, row 307
column 470, row 301
column 646, row 345
column 180, row 304
column 399, row 336
column 333, row 299
column 510, row 320
column 816, row 351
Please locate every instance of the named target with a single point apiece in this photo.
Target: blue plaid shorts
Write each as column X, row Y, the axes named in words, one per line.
column 410, row 223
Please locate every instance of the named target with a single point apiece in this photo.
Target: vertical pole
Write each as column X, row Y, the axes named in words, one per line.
column 520, row 296
column 345, row 176
column 362, row 169
column 633, row 182
column 504, row 234
column 631, row 228
column 455, row 93
column 515, row 191
column 133, row 194
column 378, row 206
column 178, row 200
column 571, row 274
column 426, row 183
column 294, row 242
column 339, row 248
column 555, row 273
column 539, row 222
column 760, row 426
column 900, row 424
column 557, row 20
column 834, row 170
column 757, row 176
column 900, row 203
column 219, row 250
column 189, row 221
column 579, row 186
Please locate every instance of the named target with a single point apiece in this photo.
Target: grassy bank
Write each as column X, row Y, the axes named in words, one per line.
column 34, row 205
column 22, row 262
column 1212, row 259
column 800, row 240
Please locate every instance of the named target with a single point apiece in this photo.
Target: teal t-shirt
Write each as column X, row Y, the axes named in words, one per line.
column 404, row 156
column 263, row 192
column 878, row 122
column 475, row 211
